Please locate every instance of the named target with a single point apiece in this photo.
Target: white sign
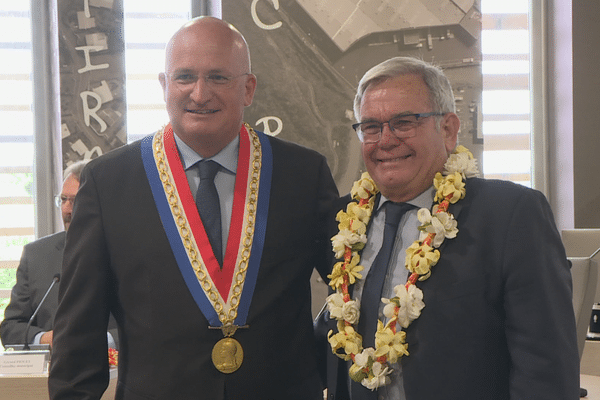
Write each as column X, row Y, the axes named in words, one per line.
column 23, row 363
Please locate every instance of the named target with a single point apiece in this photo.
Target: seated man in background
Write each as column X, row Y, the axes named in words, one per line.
column 40, row 262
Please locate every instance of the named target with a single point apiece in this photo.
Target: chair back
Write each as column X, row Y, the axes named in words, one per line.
column 583, row 243
column 585, row 277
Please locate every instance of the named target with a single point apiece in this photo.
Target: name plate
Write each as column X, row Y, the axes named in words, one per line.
column 24, row 362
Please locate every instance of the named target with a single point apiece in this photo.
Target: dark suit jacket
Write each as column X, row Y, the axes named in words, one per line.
column 498, row 321
column 118, row 259
column 40, row 261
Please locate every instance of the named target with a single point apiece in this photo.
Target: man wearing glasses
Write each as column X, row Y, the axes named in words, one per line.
column 468, row 277
column 40, row 262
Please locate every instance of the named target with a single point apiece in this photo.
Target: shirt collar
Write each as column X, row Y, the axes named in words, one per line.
column 227, row 158
column 424, row 200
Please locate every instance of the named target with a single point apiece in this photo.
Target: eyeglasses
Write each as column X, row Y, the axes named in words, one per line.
column 60, row 200
column 402, row 126
column 186, row 80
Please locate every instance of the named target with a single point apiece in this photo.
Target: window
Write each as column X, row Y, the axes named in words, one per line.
column 16, row 141
column 506, row 90
column 148, row 27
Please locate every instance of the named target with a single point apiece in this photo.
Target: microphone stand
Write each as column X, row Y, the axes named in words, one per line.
column 25, row 341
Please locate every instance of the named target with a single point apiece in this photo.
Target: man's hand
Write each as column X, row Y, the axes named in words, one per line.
column 46, row 338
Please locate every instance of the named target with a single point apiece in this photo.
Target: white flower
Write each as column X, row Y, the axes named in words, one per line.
column 335, row 304
column 463, row 163
column 380, row 377
column 339, row 309
column 442, row 224
column 362, row 358
column 351, row 311
column 389, row 309
column 346, row 238
column 424, row 216
column 411, row 304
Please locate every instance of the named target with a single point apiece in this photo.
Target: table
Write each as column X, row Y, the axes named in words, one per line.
column 592, row 384
column 35, row 387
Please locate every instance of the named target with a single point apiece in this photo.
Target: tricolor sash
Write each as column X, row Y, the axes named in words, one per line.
column 222, row 294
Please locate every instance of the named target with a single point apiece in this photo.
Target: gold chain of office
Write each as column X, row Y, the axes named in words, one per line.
column 185, row 232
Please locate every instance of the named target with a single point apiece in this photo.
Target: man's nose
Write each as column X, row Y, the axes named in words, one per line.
column 200, row 91
column 388, row 138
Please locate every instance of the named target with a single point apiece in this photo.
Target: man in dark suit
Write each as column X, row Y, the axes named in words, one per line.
column 476, row 291
column 202, row 317
column 40, row 262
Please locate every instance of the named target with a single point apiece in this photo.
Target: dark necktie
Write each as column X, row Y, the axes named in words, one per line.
column 371, row 294
column 207, row 201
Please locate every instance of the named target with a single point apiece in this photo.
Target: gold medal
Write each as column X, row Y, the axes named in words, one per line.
column 227, row 355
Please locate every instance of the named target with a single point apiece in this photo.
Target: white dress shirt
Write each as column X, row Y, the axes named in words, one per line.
column 224, row 179
column 397, row 273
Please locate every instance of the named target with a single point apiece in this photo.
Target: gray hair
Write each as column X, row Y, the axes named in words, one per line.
column 440, row 90
column 75, row 169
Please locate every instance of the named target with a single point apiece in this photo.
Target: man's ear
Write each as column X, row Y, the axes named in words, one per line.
column 449, row 128
column 250, row 89
column 162, row 78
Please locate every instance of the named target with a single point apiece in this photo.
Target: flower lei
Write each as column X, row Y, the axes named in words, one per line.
column 113, row 357
column 370, row 366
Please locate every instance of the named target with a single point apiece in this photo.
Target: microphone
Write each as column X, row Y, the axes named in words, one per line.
column 25, row 341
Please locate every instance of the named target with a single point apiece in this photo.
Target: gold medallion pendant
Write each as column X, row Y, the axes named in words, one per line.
column 227, row 355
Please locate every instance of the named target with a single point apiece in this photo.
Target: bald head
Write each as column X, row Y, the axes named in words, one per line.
column 207, row 83
column 210, row 31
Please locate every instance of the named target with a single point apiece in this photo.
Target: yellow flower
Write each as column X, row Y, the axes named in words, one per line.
column 370, row 366
column 390, row 344
column 449, row 185
column 350, row 222
column 420, row 258
column 341, row 269
column 364, row 187
column 362, row 213
column 346, row 338
column 336, row 278
column 353, row 269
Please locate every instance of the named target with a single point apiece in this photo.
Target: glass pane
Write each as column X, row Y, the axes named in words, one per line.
column 16, row 155
column 505, row 41
column 11, row 248
column 8, row 278
column 504, row 6
column 146, row 122
column 148, row 28
column 16, row 185
column 506, row 127
column 15, row 92
column 505, row 67
column 157, row 7
column 14, row 28
column 16, row 215
column 508, row 161
column 145, row 61
column 16, row 123
column 144, row 92
column 20, row 61
column 506, row 102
